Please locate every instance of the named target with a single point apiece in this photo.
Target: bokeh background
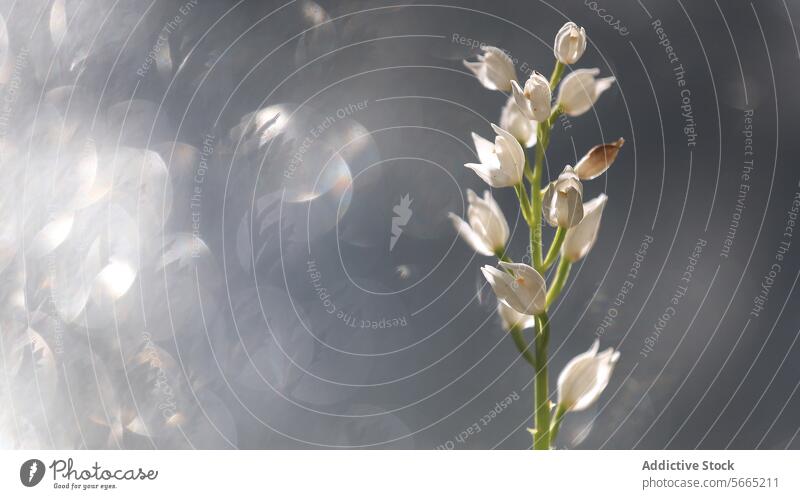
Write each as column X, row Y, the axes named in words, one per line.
column 197, row 210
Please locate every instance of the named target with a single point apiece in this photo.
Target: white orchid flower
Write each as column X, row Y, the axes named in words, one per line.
column 511, row 318
column 570, row 43
column 494, row 69
column 579, row 239
column 580, row 90
column 486, row 229
column 502, row 162
column 517, row 124
column 562, row 204
column 524, row 289
column 585, row 377
column 534, row 100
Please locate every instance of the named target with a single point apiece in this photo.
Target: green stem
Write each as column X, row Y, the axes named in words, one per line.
column 554, row 116
column 555, row 77
column 555, row 248
column 541, row 439
column 542, row 132
column 542, row 141
column 524, row 349
column 527, row 168
column 562, row 272
column 522, row 194
column 559, row 416
column 541, row 411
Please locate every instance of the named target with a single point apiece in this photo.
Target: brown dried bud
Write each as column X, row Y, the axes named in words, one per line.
column 598, row 159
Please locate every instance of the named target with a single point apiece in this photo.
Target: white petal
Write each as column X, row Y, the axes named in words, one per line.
column 585, row 377
column 517, row 123
column 570, row 43
column 538, row 94
column 510, row 145
column 503, row 286
column 485, row 150
column 522, row 102
column 474, row 240
column 493, row 176
column 497, row 213
column 494, row 69
column 580, row 239
column 569, row 207
column 477, row 69
column 530, row 288
column 487, row 220
column 602, row 85
column 562, row 204
column 579, row 90
column 512, row 318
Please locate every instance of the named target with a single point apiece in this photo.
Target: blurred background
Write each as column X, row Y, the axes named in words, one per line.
column 224, row 225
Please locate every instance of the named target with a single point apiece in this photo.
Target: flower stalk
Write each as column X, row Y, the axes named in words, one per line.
column 555, row 248
column 542, row 141
column 541, row 440
column 523, row 294
column 536, row 200
column 525, row 207
column 562, row 272
column 522, row 346
column 561, row 411
column 558, row 72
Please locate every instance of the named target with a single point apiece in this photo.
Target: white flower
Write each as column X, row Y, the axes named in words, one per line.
column 562, row 204
column 512, row 318
column 487, row 230
column 595, row 162
column 579, row 90
column 585, row 377
column 534, row 99
column 524, row 291
column 517, row 124
column 570, row 43
column 502, row 163
column 494, row 69
column 580, row 239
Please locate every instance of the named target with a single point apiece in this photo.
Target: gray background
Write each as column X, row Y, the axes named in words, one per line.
column 254, row 338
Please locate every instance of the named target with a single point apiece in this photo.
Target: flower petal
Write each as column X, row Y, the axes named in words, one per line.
column 474, row 240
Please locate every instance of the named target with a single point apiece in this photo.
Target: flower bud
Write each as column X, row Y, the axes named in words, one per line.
column 517, row 124
column 585, row 377
column 511, row 318
column 524, row 291
column 579, row 239
column 502, row 163
column 580, row 90
column 562, row 204
column 570, row 43
column 494, row 69
column 595, row 162
column 534, row 99
column 487, row 230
